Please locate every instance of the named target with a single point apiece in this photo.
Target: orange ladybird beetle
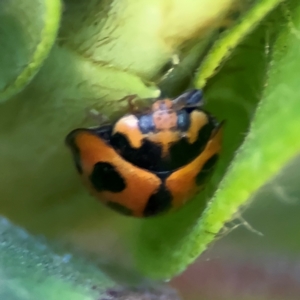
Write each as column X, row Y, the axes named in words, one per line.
column 149, row 163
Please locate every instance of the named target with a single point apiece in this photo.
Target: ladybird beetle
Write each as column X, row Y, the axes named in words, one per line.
column 150, row 162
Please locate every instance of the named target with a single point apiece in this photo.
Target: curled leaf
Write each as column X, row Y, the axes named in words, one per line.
column 28, row 31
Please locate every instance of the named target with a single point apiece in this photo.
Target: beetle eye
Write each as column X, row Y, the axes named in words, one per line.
column 194, row 98
column 183, row 120
column 146, row 124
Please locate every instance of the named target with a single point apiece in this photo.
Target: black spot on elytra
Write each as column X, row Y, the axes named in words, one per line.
column 148, row 156
column 182, row 152
column 119, row 208
column 105, row 178
column 206, row 170
column 183, row 120
column 104, row 132
column 146, row 123
column 158, row 202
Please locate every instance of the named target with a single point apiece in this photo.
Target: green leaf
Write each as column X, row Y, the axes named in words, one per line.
column 233, row 37
column 28, row 31
column 31, row 270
